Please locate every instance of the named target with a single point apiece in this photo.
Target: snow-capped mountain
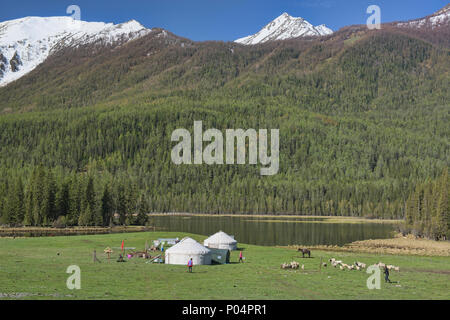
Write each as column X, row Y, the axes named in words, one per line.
column 27, row 42
column 439, row 18
column 285, row 27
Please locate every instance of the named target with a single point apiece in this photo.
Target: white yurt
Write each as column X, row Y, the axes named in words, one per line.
column 221, row 240
column 186, row 249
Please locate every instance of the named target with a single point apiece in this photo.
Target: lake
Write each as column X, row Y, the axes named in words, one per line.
column 271, row 231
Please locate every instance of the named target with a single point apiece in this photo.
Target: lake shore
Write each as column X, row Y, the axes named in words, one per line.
column 272, row 217
column 17, row 232
column 399, row 245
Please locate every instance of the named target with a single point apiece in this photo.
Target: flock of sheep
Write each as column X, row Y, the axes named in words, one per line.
column 389, row 266
column 338, row 263
column 292, row 265
column 358, row 265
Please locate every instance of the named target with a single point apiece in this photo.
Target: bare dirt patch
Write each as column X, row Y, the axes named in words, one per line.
column 408, row 245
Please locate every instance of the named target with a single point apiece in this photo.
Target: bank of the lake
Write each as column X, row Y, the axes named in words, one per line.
column 31, row 268
column 270, row 230
column 266, row 230
column 27, row 231
column 326, row 219
column 399, row 244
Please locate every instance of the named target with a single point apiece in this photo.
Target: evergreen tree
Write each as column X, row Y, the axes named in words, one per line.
column 107, row 209
column 86, row 216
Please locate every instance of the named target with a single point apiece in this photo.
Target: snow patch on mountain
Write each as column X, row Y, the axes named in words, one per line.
column 27, row 42
column 439, row 18
column 285, row 27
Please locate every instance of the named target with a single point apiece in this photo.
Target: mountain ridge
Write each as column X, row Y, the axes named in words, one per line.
column 27, row 42
column 284, row 27
column 22, row 51
column 435, row 20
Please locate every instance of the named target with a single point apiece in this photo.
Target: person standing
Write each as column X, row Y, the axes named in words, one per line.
column 386, row 274
column 190, row 264
column 240, row 257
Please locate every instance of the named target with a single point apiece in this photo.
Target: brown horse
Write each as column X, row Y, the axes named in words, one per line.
column 305, row 251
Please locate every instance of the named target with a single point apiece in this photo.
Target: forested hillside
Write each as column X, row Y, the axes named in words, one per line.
column 427, row 210
column 363, row 118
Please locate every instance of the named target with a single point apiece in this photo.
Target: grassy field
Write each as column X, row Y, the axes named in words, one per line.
column 30, row 268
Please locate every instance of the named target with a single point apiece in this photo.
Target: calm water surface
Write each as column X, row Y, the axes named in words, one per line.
column 270, row 231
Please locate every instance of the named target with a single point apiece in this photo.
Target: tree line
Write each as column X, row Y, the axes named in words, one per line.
column 73, row 200
column 427, row 212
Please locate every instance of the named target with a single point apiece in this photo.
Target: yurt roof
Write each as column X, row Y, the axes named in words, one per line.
column 188, row 246
column 221, row 237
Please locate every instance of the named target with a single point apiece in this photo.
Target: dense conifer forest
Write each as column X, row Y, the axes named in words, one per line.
column 363, row 118
column 427, row 210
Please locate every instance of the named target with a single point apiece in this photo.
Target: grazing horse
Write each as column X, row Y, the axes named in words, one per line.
column 305, row 251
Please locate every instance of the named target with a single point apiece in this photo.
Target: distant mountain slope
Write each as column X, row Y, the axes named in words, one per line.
column 438, row 19
column 285, row 27
column 164, row 63
column 27, row 42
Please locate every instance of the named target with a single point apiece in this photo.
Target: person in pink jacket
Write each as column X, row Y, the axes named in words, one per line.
column 240, row 257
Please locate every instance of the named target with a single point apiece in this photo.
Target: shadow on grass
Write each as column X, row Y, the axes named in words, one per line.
column 300, row 257
column 222, row 264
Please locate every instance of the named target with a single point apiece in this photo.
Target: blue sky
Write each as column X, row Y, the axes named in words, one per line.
column 222, row 19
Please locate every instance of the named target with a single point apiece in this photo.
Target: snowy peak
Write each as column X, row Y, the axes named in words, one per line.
column 285, row 27
column 27, row 42
column 323, row 30
column 438, row 19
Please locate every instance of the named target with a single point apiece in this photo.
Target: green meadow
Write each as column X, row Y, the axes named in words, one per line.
column 30, row 268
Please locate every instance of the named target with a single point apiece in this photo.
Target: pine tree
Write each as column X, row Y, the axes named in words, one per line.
column 28, row 217
column 142, row 216
column 75, row 195
column 86, row 217
column 89, row 195
column 48, row 205
column 107, row 207
column 121, row 205
column 19, row 202
column 442, row 210
column 62, row 200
